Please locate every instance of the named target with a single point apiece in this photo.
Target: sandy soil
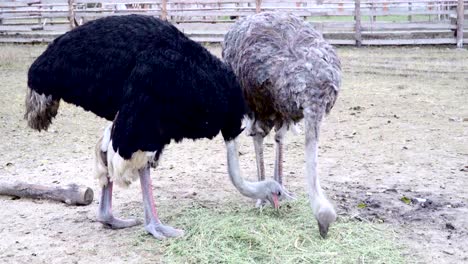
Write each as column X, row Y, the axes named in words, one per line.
column 399, row 129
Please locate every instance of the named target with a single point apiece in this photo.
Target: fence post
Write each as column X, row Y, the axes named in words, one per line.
column 357, row 23
column 258, row 4
column 71, row 13
column 164, row 9
column 460, row 18
column 410, row 9
column 373, row 18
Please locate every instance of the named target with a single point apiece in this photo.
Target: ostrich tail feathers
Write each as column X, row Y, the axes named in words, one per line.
column 40, row 109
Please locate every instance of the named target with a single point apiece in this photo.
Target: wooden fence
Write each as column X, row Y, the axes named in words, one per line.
column 343, row 22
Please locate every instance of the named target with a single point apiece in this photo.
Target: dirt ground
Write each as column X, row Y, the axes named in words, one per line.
column 399, row 129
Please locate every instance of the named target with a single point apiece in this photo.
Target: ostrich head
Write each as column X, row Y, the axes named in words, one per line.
column 267, row 190
column 271, row 191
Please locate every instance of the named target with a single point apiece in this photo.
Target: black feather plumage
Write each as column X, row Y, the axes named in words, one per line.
column 163, row 85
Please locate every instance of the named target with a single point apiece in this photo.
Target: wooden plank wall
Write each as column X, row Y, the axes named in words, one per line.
column 345, row 22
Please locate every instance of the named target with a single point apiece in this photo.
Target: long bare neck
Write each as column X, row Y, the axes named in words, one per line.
column 256, row 190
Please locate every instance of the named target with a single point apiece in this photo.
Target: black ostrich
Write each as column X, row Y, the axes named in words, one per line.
column 156, row 85
column 288, row 72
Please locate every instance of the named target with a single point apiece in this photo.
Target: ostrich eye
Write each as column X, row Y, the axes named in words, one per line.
column 279, row 193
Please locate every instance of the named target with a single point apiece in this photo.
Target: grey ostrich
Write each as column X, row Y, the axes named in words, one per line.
column 288, row 72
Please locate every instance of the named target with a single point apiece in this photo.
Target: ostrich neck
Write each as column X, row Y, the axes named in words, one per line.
column 249, row 189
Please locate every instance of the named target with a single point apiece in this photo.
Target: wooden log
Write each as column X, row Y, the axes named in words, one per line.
column 357, row 19
column 71, row 194
column 460, row 18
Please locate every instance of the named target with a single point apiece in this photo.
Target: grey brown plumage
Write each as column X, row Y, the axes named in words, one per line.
column 284, row 66
column 288, row 72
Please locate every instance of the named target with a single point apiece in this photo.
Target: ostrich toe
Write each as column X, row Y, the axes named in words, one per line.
column 161, row 231
column 117, row 223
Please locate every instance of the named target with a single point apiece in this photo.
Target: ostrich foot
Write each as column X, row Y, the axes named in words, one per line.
column 285, row 196
column 325, row 216
column 161, row 231
column 117, row 223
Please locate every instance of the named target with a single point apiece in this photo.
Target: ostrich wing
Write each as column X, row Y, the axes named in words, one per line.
column 169, row 97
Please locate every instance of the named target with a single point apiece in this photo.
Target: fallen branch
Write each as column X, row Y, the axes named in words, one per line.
column 71, row 194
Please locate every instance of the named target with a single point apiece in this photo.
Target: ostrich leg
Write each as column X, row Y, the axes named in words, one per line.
column 321, row 206
column 105, row 215
column 278, row 172
column 152, row 223
column 258, row 145
column 279, row 137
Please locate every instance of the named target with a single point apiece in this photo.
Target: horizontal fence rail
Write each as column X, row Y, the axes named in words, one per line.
column 345, row 22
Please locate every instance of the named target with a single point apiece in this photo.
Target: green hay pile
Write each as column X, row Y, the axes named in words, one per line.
column 246, row 235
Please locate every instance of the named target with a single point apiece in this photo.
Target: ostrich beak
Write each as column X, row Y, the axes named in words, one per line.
column 275, row 201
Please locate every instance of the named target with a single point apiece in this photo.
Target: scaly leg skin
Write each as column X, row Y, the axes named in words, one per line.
column 278, row 172
column 258, row 145
column 279, row 137
column 105, row 215
column 321, row 206
column 152, row 223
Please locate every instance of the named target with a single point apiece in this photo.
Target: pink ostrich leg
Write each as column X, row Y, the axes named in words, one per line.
column 152, row 223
